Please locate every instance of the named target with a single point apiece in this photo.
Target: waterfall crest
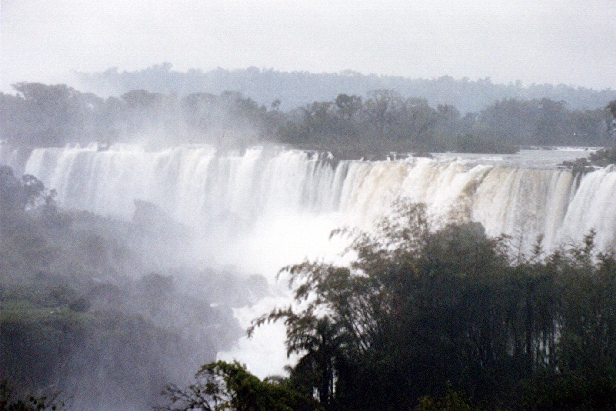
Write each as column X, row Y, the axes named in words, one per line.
column 201, row 187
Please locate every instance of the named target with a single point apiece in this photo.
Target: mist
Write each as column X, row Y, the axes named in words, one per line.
column 535, row 42
column 162, row 162
column 112, row 309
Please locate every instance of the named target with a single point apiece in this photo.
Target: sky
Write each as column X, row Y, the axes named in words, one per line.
column 571, row 42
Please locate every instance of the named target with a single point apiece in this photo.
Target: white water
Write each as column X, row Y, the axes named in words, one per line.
column 268, row 208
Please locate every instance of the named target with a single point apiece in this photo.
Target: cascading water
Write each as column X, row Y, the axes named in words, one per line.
column 266, row 207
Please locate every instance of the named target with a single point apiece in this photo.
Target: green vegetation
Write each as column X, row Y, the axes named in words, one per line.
column 603, row 157
column 443, row 318
column 8, row 402
column 83, row 312
column 607, row 156
column 350, row 126
column 297, row 89
column 222, row 386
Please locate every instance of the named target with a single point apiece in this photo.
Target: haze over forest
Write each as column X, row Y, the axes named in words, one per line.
column 297, row 89
column 536, row 42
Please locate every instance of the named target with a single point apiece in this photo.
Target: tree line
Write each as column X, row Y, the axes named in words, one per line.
column 352, row 126
column 299, row 88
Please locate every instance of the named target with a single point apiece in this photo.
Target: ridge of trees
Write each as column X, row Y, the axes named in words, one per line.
column 350, row 126
column 297, row 89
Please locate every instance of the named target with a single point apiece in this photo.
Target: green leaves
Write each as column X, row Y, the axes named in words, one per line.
column 423, row 309
column 8, row 402
column 222, row 386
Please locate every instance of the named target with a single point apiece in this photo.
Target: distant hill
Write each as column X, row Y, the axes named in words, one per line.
column 296, row 89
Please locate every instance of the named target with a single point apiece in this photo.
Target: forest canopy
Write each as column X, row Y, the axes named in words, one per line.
column 350, row 126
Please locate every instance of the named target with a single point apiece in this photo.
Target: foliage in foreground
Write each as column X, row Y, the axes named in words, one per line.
column 221, row 386
column 423, row 312
column 8, row 402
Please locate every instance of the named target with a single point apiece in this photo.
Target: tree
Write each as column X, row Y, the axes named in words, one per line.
column 611, row 107
column 348, row 106
column 552, row 124
column 427, row 308
column 451, row 401
column 17, row 194
column 222, row 386
column 8, row 402
column 587, row 314
column 514, row 119
column 321, row 340
column 405, row 277
column 51, row 115
column 382, row 109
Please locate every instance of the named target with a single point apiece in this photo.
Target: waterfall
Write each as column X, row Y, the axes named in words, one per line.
column 265, row 208
column 201, row 187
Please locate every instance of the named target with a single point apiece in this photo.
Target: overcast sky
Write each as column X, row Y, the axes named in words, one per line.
column 536, row 41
